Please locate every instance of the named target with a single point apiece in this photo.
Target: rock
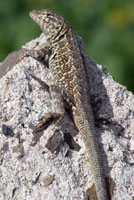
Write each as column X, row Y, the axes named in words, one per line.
column 54, row 168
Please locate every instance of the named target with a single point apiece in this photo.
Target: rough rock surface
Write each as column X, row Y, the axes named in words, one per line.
column 53, row 165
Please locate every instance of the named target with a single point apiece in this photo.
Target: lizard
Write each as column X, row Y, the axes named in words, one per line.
column 70, row 77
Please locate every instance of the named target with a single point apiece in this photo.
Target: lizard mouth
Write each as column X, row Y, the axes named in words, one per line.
column 34, row 14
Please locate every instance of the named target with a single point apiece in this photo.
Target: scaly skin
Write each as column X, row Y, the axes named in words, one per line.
column 70, row 74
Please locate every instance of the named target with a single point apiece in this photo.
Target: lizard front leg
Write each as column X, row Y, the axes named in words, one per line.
column 42, row 54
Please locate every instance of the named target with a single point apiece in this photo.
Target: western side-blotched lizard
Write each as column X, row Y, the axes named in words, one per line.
column 70, row 77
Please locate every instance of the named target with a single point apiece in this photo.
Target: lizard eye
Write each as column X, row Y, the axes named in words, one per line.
column 48, row 14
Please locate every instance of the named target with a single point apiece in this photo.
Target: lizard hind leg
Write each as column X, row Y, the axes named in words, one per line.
column 58, row 110
column 59, row 100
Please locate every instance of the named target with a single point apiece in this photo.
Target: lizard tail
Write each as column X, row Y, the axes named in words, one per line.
column 85, row 125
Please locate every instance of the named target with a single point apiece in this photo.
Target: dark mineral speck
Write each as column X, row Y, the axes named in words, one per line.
column 6, row 130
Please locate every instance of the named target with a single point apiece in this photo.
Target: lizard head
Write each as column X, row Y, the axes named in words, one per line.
column 50, row 23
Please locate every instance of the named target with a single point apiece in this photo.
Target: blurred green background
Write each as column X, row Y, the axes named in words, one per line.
column 106, row 26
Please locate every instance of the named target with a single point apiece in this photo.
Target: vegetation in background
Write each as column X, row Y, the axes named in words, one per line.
column 106, row 26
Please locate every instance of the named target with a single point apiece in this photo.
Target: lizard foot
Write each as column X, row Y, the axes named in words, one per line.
column 45, row 121
column 43, row 124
